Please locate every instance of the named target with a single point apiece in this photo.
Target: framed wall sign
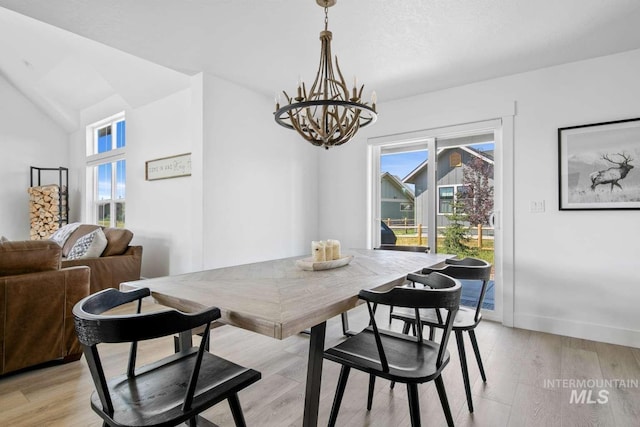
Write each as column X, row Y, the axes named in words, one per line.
column 168, row 167
column 598, row 166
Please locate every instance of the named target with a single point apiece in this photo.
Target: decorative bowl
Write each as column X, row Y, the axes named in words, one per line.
column 309, row 265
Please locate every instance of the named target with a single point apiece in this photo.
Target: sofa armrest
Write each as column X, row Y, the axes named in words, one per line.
column 110, row 271
column 36, row 320
column 134, row 251
column 29, row 256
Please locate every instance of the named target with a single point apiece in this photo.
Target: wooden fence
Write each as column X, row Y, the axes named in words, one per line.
column 410, row 228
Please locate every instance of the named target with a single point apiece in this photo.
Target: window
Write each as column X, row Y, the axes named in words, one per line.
column 106, row 172
column 447, row 195
column 445, row 199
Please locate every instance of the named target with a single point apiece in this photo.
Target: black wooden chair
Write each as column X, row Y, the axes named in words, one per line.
column 407, row 248
column 466, row 319
column 400, row 357
column 169, row 391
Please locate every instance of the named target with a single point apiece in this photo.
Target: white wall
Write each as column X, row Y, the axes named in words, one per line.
column 27, row 138
column 574, row 271
column 252, row 194
column 159, row 212
column 343, row 192
column 260, row 180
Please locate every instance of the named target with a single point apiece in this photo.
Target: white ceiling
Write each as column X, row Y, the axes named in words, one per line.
column 397, row 47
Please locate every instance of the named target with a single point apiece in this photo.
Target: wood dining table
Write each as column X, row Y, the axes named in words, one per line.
column 279, row 299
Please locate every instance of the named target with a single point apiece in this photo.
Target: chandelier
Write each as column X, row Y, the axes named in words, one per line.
column 327, row 114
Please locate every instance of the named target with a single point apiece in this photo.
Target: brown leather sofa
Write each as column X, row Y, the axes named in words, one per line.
column 36, row 299
column 119, row 262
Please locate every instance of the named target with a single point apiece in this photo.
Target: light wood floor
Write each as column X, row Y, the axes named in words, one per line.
column 517, row 363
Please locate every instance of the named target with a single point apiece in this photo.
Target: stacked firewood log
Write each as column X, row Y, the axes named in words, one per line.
column 44, row 210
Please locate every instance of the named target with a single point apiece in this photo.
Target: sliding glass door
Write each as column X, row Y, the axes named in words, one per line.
column 439, row 191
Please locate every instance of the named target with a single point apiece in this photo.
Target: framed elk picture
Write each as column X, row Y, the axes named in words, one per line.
column 599, row 166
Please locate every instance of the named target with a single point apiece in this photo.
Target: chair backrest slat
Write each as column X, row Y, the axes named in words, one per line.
column 374, row 326
column 446, row 333
column 97, row 373
column 417, row 323
column 193, row 381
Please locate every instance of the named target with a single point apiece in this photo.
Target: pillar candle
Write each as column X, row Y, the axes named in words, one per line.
column 318, row 251
column 335, row 249
column 328, row 250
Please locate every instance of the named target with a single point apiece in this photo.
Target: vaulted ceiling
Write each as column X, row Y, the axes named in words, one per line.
column 140, row 49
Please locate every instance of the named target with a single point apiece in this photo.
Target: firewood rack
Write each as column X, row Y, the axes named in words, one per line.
column 63, row 184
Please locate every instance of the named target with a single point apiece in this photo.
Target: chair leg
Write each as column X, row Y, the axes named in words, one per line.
column 442, row 394
column 405, row 328
column 372, row 383
column 337, row 400
column 476, row 350
column 236, row 410
column 193, row 422
column 390, row 313
column 465, row 369
column 414, row 404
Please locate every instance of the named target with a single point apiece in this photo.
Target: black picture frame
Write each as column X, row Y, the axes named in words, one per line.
column 598, row 166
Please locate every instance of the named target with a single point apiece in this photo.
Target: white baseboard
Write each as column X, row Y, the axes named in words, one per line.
column 588, row 331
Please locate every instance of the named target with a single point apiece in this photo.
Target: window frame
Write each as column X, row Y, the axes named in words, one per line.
column 110, row 157
column 406, row 207
column 456, row 189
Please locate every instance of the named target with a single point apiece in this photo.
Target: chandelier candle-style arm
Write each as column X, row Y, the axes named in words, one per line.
column 326, row 115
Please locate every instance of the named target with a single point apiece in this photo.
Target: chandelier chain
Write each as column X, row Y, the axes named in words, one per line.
column 326, row 18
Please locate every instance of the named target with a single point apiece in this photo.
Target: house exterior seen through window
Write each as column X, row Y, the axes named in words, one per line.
column 106, row 172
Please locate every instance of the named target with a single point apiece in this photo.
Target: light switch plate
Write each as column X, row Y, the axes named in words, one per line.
column 536, row 206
